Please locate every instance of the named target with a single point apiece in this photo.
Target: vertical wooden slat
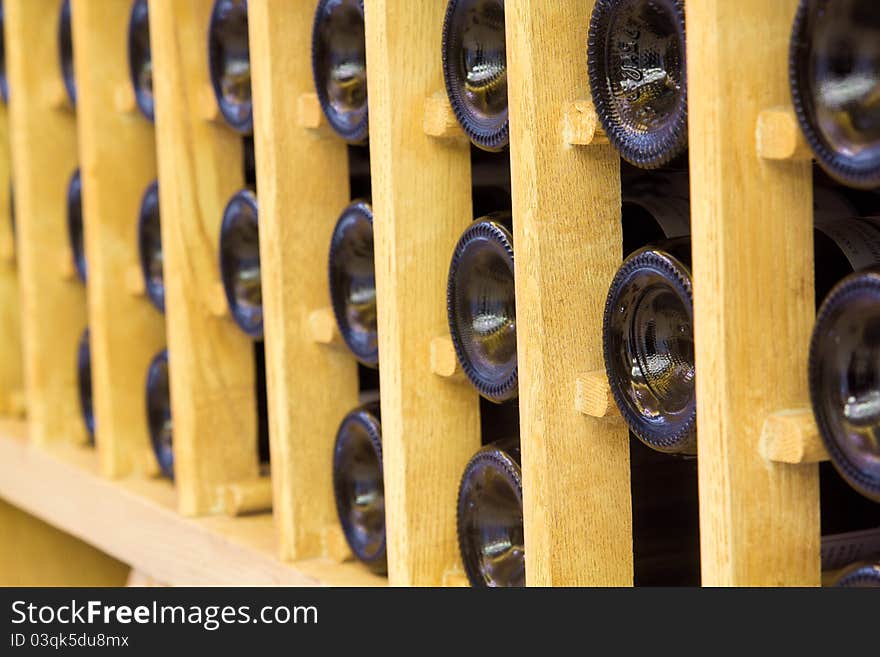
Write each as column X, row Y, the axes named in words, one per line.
column 422, row 203
column 200, row 167
column 567, row 232
column 11, row 365
column 753, row 298
column 44, row 150
column 118, row 156
column 303, row 181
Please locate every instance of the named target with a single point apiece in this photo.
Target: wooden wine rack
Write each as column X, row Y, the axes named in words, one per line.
column 752, row 254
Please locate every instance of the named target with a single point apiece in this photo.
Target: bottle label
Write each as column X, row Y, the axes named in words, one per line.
column 858, row 239
column 671, row 212
column 841, row 550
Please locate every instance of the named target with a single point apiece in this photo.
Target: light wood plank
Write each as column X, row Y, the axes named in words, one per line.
column 71, row 495
column 753, row 298
column 200, row 167
column 567, row 232
column 118, row 156
column 303, row 179
column 11, row 364
column 44, row 156
column 422, row 203
column 33, row 553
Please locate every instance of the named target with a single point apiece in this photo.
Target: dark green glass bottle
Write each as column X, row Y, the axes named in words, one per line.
column 490, row 517
column 240, row 262
column 359, row 485
column 475, row 70
column 353, row 282
column 230, row 65
column 84, row 383
column 638, row 78
column 834, row 72
column 339, row 66
column 159, row 413
column 140, row 58
column 481, row 306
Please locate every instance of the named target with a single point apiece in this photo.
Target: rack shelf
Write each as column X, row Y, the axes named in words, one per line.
column 136, row 521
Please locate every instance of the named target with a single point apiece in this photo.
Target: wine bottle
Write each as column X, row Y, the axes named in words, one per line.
column 84, row 383
column 339, row 66
column 865, row 575
column 359, row 486
column 490, row 517
column 65, row 51
column 638, row 78
column 474, row 57
column 159, row 413
column 140, row 58
column 150, row 246
column 834, row 71
column 4, row 81
column 647, row 330
column 353, row 282
column 841, row 550
column 648, row 321
column 75, row 225
column 230, row 65
column 844, row 350
column 481, row 306
column 240, row 262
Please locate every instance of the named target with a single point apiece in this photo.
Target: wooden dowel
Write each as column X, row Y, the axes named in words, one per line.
column 55, row 94
column 440, row 121
column 124, row 99
column 134, row 281
column 592, row 396
column 335, row 546
column 791, row 436
column 444, row 361
column 245, row 497
column 208, row 107
column 218, row 304
column 309, row 112
column 323, row 328
column 779, row 137
column 581, row 125
column 66, row 266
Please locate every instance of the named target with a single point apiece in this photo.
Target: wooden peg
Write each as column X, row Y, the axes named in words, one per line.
column 593, row 397
column 323, row 328
column 309, row 113
column 208, row 107
column 134, row 281
column 66, row 265
column 335, row 547
column 791, row 436
column 779, row 137
column 218, row 305
column 124, row 99
column 440, row 121
column 55, row 94
column 444, row 360
column 581, row 125
column 246, row 497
